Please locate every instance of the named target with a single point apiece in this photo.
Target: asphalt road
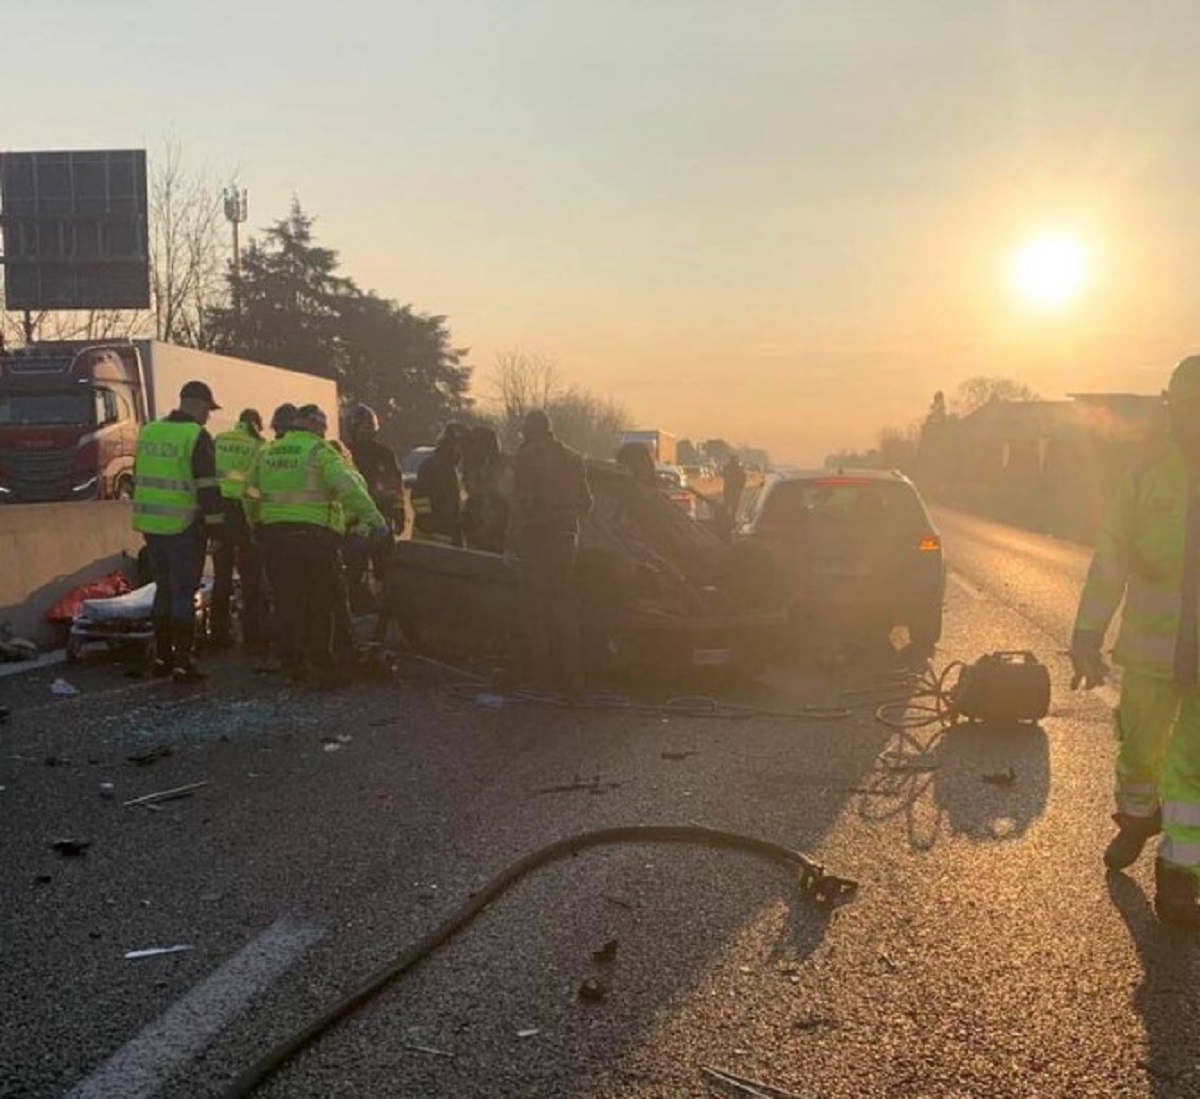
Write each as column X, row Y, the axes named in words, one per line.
column 984, row 954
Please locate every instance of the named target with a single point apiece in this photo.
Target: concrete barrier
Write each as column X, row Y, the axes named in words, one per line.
column 48, row 549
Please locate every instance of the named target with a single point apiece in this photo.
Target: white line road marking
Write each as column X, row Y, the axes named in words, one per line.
column 965, row 584
column 140, row 1067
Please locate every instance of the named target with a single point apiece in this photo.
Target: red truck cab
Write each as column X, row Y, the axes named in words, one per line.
column 69, row 418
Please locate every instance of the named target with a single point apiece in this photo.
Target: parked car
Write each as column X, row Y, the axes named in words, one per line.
column 673, row 484
column 853, row 549
column 411, row 464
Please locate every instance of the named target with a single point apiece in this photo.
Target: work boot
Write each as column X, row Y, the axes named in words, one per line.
column 185, row 669
column 164, row 649
column 1132, row 835
column 1175, row 896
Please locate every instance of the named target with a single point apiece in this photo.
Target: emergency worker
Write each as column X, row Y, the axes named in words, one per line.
column 486, row 478
column 437, row 492
column 551, row 495
column 177, row 506
column 282, row 418
column 236, row 450
column 380, row 469
column 638, row 462
column 303, row 493
column 1149, row 554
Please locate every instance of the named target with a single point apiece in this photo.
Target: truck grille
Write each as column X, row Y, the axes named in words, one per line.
column 37, row 477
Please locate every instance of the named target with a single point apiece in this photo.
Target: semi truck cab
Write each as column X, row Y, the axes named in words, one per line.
column 69, row 418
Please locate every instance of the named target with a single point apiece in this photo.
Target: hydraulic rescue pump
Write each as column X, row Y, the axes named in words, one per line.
column 1001, row 688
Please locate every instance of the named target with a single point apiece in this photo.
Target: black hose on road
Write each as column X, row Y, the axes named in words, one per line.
column 824, row 888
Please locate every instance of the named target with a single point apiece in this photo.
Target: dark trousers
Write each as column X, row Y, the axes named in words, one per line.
column 237, row 549
column 303, row 567
column 176, row 563
column 552, row 647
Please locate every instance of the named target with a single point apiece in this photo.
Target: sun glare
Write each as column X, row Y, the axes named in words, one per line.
column 1050, row 271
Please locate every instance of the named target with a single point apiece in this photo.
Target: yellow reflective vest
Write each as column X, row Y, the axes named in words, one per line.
column 164, row 490
column 300, row 478
column 1139, row 556
column 236, row 450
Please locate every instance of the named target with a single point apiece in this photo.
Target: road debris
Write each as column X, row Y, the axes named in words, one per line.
column 678, row 755
column 155, row 951
column 71, row 848
column 485, row 700
column 577, row 786
column 620, row 902
column 151, row 755
column 1000, row 778
column 606, row 953
column 431, row 1050
column 336, row 743
column 57, row 761
column 592, row 991
column 166, row 795
column 62, row 689
column 108, row 791
column 528, row 1032
column 743, row 1085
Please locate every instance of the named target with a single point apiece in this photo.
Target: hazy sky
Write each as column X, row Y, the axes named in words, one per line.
column 786, row 223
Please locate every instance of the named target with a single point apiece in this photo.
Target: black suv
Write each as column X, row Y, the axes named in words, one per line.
column 853, row 548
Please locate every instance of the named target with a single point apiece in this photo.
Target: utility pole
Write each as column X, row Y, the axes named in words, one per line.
column 236, row 210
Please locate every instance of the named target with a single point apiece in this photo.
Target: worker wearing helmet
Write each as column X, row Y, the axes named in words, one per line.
column 437, row 492
column 304, row 495
column 379, row 467
column 237, row 450
column 1148, row 554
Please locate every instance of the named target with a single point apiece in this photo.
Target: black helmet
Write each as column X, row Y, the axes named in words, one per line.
column 364, row 416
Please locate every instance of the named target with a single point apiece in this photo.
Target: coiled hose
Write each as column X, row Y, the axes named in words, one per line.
column 824, row 888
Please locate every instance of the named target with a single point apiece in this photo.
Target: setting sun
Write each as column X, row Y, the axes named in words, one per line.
column 1050, row 271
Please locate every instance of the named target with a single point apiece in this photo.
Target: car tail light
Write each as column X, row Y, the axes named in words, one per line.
column 930, row 543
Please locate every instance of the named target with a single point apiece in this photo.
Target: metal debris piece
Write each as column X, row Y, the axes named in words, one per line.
column 62, row 688
column 430, row 1049
column 69, row 848
column 1001, row 778
column 155, row 951
column 606, row 953
column 166, row 795
column 151, row 755
column 744, row 1086
column 528, row 1032
column 108, row 791
column 592, row 991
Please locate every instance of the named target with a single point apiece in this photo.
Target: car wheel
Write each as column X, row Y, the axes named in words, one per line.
column 925, row 628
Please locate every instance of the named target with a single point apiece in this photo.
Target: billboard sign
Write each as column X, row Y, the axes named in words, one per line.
column 75, row 229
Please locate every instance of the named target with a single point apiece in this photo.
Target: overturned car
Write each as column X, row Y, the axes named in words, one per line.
column 660, row 594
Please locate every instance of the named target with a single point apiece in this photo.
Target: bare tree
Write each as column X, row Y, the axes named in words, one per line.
column 186, row 267
column 522, row 381
column 980, row 390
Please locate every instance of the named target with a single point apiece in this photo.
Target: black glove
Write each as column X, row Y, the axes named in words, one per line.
column 1088, row 669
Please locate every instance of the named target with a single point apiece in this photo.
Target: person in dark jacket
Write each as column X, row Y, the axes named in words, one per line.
column 437, row 493
column 637, row 460
column 551, row 495
column 377, row 464
column 486, row 511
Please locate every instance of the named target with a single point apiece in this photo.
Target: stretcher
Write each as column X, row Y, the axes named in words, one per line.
column 125, row 621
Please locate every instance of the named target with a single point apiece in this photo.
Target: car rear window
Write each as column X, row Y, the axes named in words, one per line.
column 843, row 500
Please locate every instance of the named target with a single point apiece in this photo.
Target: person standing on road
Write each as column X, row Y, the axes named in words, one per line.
column 551, row 496
column 177, row 507
column 1149, row 554
column 734, row 477
column 236, row 450
column 637, row 460
column 380, row 469
column 302, row 493
column 484, row 472
column 437, row 492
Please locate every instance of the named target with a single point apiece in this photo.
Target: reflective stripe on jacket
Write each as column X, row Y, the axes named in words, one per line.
column 302, row 479
column 236, row 450
column 164, row 490
column 1139, row 557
